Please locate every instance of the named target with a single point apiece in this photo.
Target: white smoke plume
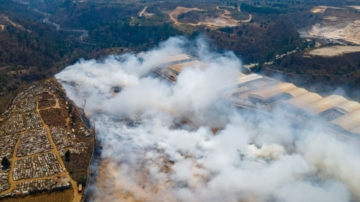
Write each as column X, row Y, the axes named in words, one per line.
column 159, row 142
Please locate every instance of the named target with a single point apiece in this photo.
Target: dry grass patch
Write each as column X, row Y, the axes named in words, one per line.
column 55, row 196
column 334, row 50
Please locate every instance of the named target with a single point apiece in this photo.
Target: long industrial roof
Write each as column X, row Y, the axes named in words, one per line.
column 324, row 104
column 348, row 107
column 272, row 91
column 349, row 121
column 311, row 103
column 356, row 130
column 296, row 92
column 303, row 100
column 178, row 58
column 191, row 64
column 248, row 78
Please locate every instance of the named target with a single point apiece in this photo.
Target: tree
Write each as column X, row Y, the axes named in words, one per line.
column 67, row 156
column 82, row 180
column 5, row 163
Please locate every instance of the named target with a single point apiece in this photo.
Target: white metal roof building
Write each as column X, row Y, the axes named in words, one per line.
column 296, row 92
column 192, row 64
column 176, row 59
column 248, row 78
column 356, row 130
column 320, row 106
column 302, row 100
column 349, row 122
column 341, row 114
column 347, row 107
column 271, row 93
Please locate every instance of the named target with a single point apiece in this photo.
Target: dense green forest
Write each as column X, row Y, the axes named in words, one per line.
column 258, row 42
column 322, row 74
column 262, row 9
column 124, row 35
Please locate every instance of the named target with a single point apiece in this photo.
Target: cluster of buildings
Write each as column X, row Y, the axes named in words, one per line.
column 33, row 142
column 14, row 124
column 4, row 181
column 33, row 120
column 49, row 184
column 61, row 137
column 42, row 165
column 39, row 88
column 35, row 167
column 33, row 186
column 67, row 141
column 78, row 148
column 17, row 124
column 7, row 144
column 46, row 100
column 256, row 91
column 26, row 104
column 31, row 91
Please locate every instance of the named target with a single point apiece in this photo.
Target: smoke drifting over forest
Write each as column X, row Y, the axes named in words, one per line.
column 159, row 142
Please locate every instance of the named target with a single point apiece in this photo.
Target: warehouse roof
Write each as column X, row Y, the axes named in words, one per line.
column 272, row 91
column 348, row 107
column 349, row 121
column 296, row 92
column 193, row 64
column 248, row 78
column 303, row 100
column 324, row 104
column 178, row 58
column 356, row 130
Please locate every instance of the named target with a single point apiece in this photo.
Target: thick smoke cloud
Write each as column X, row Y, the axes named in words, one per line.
column 185, row 142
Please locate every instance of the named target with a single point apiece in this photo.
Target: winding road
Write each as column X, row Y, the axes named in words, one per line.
column 58, row 26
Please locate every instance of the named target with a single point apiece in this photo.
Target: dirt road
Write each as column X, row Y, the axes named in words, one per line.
column 77, row 196
column 224, row 20
column 143, row 11
column 334, row 50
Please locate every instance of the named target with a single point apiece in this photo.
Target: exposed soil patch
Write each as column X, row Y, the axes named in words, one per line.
column 334, row 50
column 51, row 117
column 57, row 196
column 337, row 24
column 46, row 100
column 220, row 17
column 322, row 9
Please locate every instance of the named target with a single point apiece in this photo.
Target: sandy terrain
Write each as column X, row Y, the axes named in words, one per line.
column 331, row 18
column 125, row 188
column 349, row 32
column 179, row 10
column 319, row 9
column 6, row 18
column 334, row 50
column 352, row 32
column 224, row 20
column 143, row 11
column 322, row 9
column 356, row 7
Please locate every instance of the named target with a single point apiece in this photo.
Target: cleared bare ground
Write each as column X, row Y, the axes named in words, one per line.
column 350, row 32
column 356, row 7
column 334, row 50
column 224, row 20
column 322, row 9
column 57, row 196
column 338, row 23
